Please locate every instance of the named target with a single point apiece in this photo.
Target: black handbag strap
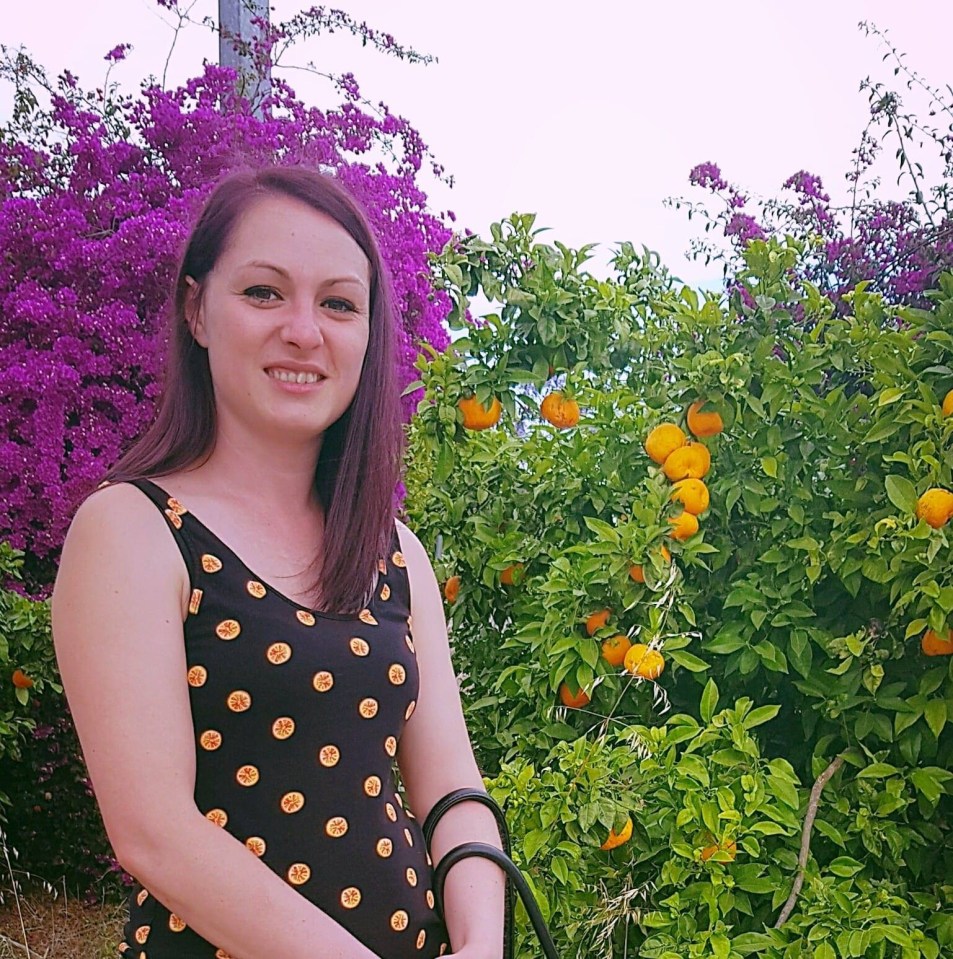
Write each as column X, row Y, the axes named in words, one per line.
column 485, row 851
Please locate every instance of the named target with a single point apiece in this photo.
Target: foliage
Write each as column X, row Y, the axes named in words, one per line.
column 898, row 247
column 799, row 605
column 97, row 189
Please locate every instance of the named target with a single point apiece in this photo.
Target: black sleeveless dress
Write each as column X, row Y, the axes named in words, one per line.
column 297, row 717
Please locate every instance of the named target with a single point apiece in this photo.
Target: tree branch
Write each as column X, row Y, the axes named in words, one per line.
column 805, row 853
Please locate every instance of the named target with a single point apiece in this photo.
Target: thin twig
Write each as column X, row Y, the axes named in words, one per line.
column 12, row 942
column 809, row 818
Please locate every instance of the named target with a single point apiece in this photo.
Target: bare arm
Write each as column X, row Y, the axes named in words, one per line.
column 117, row 628
column 436, row 757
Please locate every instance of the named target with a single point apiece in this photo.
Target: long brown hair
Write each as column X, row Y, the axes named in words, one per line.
column 358, row 467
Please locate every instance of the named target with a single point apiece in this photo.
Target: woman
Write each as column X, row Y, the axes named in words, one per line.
column 243, row 654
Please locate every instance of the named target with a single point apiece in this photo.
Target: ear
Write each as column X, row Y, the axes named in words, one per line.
column 194, row 313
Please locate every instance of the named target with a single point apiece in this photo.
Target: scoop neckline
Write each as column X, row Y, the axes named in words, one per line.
column 337, row 617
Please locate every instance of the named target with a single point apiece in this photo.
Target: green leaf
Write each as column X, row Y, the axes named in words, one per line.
column 760, row 715
column 690, row 662
column 770, row 466
column 877, row 771
column 935, row 713
column 824, row 951
column 709, row 700
column 845, row 867
column 902, row 493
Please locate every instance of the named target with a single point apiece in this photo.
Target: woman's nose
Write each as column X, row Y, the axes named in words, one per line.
column 303, row 327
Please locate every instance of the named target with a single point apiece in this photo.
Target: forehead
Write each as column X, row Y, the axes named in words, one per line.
column 290, row 234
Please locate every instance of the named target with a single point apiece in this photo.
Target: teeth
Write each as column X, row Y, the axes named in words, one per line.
column 286, row 376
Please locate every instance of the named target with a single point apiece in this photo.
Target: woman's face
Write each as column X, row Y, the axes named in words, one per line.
column 285, row 317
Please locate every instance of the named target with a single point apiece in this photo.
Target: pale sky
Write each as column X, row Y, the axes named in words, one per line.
column 588, row 114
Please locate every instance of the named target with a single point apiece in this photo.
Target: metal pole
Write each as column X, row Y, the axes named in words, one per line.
column 236, row 34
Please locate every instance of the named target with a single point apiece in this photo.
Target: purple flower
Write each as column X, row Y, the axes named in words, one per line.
column 118, row 53
column 707, row 176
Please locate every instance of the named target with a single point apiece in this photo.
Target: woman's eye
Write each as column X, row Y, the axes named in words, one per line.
column 262, row 294
column 339, row 305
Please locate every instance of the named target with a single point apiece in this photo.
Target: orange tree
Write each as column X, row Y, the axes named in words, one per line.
column 745, row 751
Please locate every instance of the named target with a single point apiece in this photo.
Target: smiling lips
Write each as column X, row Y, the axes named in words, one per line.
column 291, row 376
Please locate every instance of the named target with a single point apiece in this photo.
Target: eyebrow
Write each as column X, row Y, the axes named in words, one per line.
column 262, row 264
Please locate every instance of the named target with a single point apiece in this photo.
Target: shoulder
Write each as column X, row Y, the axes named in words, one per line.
column 423, row 582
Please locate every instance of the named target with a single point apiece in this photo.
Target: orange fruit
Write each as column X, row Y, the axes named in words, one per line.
column 663, row 441
column 476, row 416
column 935, row 507
column 703, row 424
column 451, row 589
column 596, row 621
column 512, row 574
column 576, row 701
column 615, row 648
column 933, row 644
column 644, row 662
column 560, row 410
column 687, row 462
column 730, row 847
column 636, row 571
column 615, row 839
column 948, row 404
column 21, row 680
column 692, row 494
column 684, row 525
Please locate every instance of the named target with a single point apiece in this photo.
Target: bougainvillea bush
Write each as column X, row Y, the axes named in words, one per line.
column 899, row 247
column 97, row 190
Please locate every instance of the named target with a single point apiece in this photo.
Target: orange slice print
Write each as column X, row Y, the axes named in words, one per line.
column 210, row 563
column 398, row 560
column 372, row 786
column 398, row 800
column 247, row 775
column 411, row 876
column 397, row 674
column 211, row 739
column 350, row 897
column 443, row 949
column 176, row 506
column 329, row 756
column 384, row 848
column 195, row 600
column 292, row 802
column 142, row 934
column 174, row 518
column 421, row 939
column 323, row 681
column 256, row 589
column 368, row 708
column 336, row 827
column 197, row 676
column 239, row 701
column 410, row 644
column 430, row 899
column 256, row 845
column 359, row 646
column 222, row 954
column 411, row 706
column 385, row 592
column 391, row 812
column 382, row 566
column 305, row 618
column 390, row 746
column 282, row 727
column 299, row 873
column 228, row 629
column 142, row 897
column 278, row 653
column 408, row 837
column 366, row 616
column 217, row 817
column 399, row 920
column 176, row 924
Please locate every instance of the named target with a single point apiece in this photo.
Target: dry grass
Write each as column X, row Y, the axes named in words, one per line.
column 58, row 927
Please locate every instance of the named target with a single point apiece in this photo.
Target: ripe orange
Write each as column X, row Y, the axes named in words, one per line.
column 948, row 404
column 663, row 441
column 730, row 847
column 684, row 525
column 560, row 410
column 692, row 494
column 21, row 680
column 476, row 416
column 614, row 649
column 644, row 662
column 637, row 573
column 451, row 589
column 596, row 621
column 688, row 462
column 618, row 838
column 935, row 507
column 577, row 701
column 703, row 424
column 512, row 574
column 934, row 645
